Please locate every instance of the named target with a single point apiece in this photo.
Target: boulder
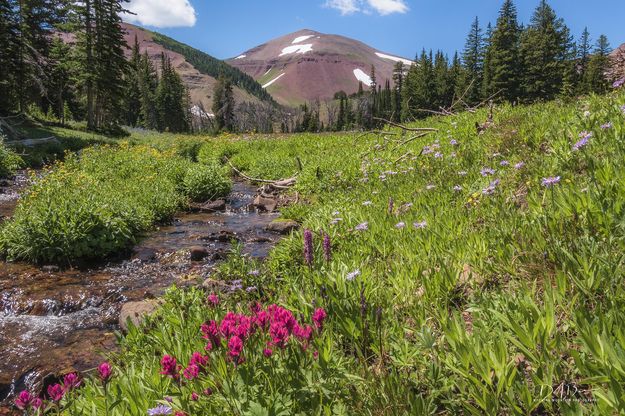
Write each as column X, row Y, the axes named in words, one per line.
column 224, row 236
column 282, row 226
column 212, row 206
column 198, row 253
column 265, row 204
column 136, row 312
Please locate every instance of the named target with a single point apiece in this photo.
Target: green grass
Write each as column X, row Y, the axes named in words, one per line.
column 507, row 299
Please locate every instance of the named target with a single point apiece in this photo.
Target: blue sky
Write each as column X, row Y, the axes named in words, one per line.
column 225, row 28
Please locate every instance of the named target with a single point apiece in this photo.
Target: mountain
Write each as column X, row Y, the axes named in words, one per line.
column 197, row 69
column 308, row 65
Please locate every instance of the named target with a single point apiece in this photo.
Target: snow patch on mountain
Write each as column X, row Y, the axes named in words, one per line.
column 273, row 80
column 301, row 39
column 267, row 71
column 362, row 76
column 240, row 56
column 297, row 49
column 394, row 58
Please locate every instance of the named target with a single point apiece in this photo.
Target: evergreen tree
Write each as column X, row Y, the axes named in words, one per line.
column 584, row 51
column 171, row 99
column 598, row 66
column 132, row 98
column 8, row 35
column 223, row 105
column 545, row 47
column 487, row 70
column 503, row 55
column 148, row 83
column 473, row 60
column 398, row 86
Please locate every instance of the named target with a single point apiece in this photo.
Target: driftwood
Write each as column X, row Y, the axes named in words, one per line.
column 33, row 142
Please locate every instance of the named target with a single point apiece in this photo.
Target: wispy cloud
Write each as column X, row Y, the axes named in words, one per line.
column 161, row 13
column 382, row 7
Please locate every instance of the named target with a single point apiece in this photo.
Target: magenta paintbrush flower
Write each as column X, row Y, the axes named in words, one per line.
column 56, row 392
column 105, row 372
column 319, row 316
column 71, row 381
column 26, row 400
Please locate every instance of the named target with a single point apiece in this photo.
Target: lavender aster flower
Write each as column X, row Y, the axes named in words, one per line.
column 351, row 276
column 308, row 247
column 606, row 126
column 336, row 221
column 400, row 225
column 453, row 142
column 438, row 155
column 487, row 171
column 420, row 225
column 618, row 83
column 426, row 150
column 491, row 188
column 504, row 163
column 367, row 203
column 623, row 109
column 254, row 273
column 362, row 226
column 160, row 410
column 550, row 181
column 519, row 165
column 457, row 188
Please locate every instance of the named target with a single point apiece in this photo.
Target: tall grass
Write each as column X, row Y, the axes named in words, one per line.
column 9, row 160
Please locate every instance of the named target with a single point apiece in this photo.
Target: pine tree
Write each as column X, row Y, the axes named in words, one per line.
column 8, row 35
column 148, row 83
column 545, row 47
column 596, row 76
column 503, row 55
column 398, row 86
column 132, row 98
column 223, row 105
column 487, row 70
column 473, row 60
column 584, row 52
column 171, row 99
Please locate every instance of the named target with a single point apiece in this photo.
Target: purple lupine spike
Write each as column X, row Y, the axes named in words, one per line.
column 308, row 247
column 327, row 248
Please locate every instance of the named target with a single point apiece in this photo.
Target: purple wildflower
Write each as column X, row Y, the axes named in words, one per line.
column 367, row 203
column 550, row 181
column 351, row 276
column 327, row 248
column 308, row 247
column 254, row 273
column 491, row 188
column 462, row 173
column 391, row 205
column 400, row 225
column 504, row 163
column 336, row 221
column 618, row 83
column 426, row 150
column 519, row 165
column 438, row 155
column 362, row 226
column 420, row 225
column 623, row 109
column 453, row 142
column 487, row 171
column 160, row 410
column 457, row 188
column 606, row 126
column 581, row 142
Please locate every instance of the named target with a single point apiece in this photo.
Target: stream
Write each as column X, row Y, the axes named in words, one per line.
column 53, row 321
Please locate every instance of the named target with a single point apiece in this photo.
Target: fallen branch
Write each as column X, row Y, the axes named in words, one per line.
column 279, row 184
column 392, row 123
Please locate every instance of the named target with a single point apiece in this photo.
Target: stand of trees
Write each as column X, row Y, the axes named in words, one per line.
column 65, row 59
column 507, row 62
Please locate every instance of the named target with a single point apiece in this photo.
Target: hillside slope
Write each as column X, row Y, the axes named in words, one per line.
column 197, row 69
column 308, row 65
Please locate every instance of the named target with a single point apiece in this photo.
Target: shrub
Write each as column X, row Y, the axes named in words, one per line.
column 9, row 161
column 100, row 202
column 204, row 182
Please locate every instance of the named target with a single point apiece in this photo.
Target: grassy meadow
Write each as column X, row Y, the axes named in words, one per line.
column 457, row 273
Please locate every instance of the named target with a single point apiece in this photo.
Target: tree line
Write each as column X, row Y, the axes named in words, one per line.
column 65, row 59
column 505, row 62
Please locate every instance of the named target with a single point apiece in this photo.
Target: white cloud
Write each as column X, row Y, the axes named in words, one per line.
column 385, row 7
column 161, row 13
column 382, row 7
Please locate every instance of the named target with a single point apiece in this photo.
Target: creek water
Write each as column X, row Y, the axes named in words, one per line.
column 53, row 321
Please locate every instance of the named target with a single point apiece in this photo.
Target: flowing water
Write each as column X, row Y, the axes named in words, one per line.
column 53, row 321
